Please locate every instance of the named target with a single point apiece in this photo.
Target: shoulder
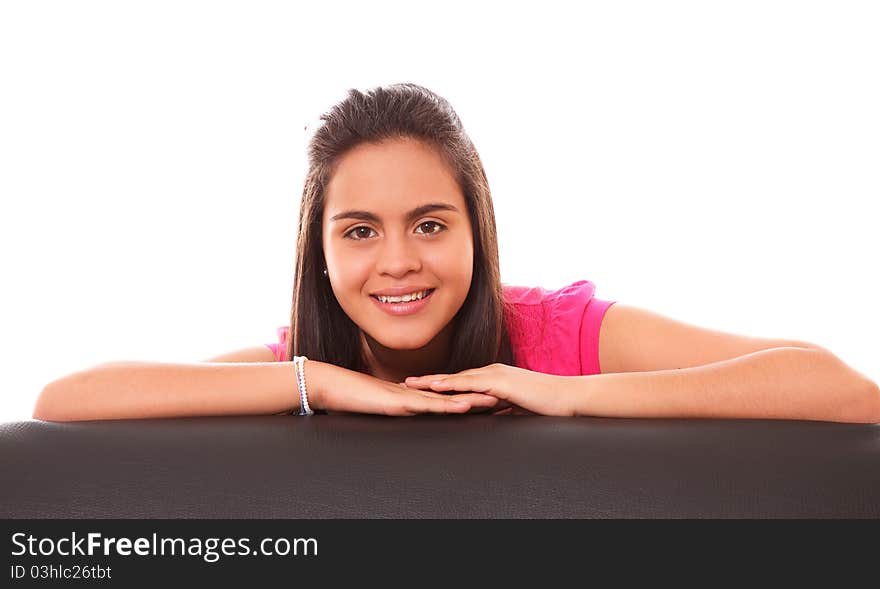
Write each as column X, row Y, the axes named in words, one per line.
column 546, row 326
column 279, row 347
column 579, row 291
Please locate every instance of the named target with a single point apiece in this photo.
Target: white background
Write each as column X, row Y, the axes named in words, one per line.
column 712, row 161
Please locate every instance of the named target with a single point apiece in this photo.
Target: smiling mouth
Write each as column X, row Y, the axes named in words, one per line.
column 411, row 308
column 427, row 294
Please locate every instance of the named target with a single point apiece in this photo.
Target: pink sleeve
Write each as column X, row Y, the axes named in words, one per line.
column 280, row 348
column 556, row 331
column 594, row 311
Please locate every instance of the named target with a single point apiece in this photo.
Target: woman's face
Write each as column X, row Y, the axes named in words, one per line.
column 386, row 244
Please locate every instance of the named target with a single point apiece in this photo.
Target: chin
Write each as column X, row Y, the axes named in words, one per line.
column 404, row 342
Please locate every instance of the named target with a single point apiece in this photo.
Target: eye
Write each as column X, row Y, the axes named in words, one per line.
column 433, row 223
column 355, row 229
column 355, row 236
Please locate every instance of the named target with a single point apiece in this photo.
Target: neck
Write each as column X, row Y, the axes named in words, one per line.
column 395, row 365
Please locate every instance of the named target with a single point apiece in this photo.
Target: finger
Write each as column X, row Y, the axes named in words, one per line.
column 427, row 385
column 447, row 405
column 411, row 380
column 507, row 411
column 461, row 382
column 427, row 378
column 416, row 385
column 475, row 399
column 479, row 399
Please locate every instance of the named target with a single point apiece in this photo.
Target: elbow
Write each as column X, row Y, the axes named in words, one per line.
column 46, row 408
column 873, row 402
column 43, row 408
column 61, row 399
column 866, row 407
column 858, row 397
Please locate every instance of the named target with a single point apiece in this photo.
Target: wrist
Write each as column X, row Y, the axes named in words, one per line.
column 313, row 371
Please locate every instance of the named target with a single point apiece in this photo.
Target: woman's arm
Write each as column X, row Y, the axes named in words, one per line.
column 132, row 390
column 654, row 366
column 777, row 383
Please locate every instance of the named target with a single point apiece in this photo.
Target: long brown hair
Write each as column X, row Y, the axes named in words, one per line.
column 319, row 327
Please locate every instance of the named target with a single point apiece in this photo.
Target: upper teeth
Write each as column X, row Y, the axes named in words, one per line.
column 402, row 299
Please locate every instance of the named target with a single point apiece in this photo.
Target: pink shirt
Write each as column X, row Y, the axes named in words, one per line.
column 551, row 331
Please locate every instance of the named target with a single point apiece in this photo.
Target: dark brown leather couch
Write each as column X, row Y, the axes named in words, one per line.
column 472, row 466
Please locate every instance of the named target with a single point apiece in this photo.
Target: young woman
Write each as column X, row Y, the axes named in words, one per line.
column 398, row 309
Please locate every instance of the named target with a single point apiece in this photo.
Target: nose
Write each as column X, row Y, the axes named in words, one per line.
column 397, row 256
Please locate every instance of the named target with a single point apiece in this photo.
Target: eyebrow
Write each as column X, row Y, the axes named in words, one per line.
column 412, row 215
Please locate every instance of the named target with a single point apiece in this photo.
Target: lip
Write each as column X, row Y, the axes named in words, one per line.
column 400, row 290
column 409, row 308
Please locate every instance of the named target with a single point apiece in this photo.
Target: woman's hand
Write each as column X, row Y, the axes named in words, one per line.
column 522, row 391
column 339, row 390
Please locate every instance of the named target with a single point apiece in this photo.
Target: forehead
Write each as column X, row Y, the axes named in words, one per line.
column 391, row 178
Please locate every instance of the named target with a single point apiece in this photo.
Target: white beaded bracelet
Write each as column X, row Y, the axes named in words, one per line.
column 301, row 381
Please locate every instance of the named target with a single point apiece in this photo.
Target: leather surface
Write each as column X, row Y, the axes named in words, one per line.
column 470, row 466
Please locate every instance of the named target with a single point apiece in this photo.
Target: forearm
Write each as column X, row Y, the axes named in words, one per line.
column 128, row 390
column 779, row 383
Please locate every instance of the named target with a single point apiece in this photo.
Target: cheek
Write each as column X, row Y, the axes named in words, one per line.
column 348, row 274
column 346, row 266
column 451, row 264
column 454, row 269
column 351, row 279
column 463, row 260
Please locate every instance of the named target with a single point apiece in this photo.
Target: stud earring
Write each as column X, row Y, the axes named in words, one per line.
column 325, row 272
